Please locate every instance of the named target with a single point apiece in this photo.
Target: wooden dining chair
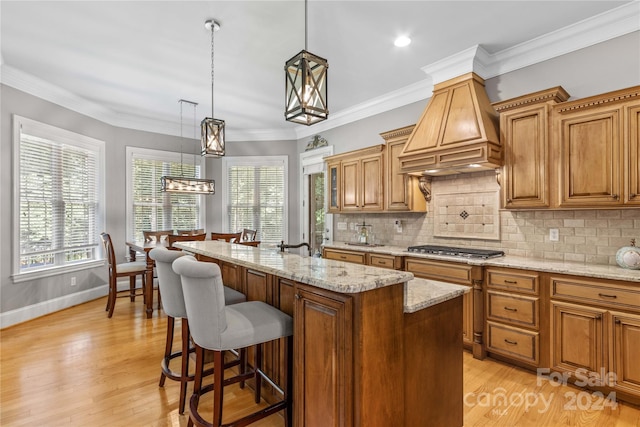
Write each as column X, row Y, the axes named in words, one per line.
column 157, row 236
column 184, row 238
column 255, row 243
column 227, row 237
column 125, row 269
column 248, row 235
column 190, row 232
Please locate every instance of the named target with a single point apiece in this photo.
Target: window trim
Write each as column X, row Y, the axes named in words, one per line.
column 228, row 162
column 164, row 155
column 66, row 136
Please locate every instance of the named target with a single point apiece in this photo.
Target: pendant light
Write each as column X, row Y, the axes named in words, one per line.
column 212, row 130
column 306, row 85
column 180, row 184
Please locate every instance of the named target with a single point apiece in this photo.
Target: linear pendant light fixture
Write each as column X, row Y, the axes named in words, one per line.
column 181, row 184
column 306, row 85
column 212, row 130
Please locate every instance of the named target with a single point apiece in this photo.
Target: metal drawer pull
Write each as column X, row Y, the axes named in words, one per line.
column 511, row 342
column 511, row 282
column 607, row 296
column 510, row 309
column 343, row 257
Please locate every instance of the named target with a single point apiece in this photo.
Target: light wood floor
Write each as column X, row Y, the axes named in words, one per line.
column 79, row 368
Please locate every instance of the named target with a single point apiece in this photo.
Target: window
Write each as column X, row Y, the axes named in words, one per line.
column 148, row 208
column 255, row 194
column 59, row 199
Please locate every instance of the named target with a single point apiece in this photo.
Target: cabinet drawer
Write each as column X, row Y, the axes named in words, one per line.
column 385, row 261
column 604, row 294
column 519, row 310
column 520, row 282
column 441, row 270
column 513, row 342
column 355, row 257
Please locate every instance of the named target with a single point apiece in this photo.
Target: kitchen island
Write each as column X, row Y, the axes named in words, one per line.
column 372, row 346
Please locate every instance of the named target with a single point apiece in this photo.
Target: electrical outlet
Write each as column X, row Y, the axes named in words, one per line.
column 554, row 234
column 73, row 281
column 352, row 226
column 342, row 226
column 398, row 224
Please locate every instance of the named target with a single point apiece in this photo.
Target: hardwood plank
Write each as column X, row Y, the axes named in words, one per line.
column 78, row 368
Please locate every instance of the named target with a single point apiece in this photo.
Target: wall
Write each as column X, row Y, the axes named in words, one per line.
column 585, row 235
column 20, row 301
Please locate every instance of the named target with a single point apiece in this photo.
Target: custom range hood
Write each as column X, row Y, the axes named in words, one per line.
column 458, row 130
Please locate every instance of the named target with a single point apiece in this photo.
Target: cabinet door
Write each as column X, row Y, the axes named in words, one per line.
column 467, row 319
column 349, row 184
column 334, row 186
column 577, row 338
column 525, row 140
column 371, row 185
column 632, row 156
column 323, row 356
column 397, row 197
column 625, row 351
column 590, row 144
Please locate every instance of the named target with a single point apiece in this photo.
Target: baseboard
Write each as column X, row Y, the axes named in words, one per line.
column 29, row 312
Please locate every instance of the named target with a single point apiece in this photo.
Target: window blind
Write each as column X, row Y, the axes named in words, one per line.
column 59, row 194
column 151, row 208
column 256, row 199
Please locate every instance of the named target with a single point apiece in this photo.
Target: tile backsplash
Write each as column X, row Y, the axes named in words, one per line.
column 590, row 236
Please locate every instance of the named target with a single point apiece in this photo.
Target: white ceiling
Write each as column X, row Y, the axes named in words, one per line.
column 128, row 62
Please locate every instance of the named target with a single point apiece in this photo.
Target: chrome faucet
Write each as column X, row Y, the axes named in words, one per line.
column 282, row 246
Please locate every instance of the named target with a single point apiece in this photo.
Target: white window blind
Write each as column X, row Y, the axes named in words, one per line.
column 149, row 207
column 59, row 196
column 256, row 196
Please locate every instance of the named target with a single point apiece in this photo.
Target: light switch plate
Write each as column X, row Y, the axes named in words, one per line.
column 554, row 234
column 342, row 226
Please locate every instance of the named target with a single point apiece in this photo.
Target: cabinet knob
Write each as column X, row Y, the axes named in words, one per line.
column 598, row 316
column 618, row 321
column 297, row 296
column 632, row 196
column 615, row 196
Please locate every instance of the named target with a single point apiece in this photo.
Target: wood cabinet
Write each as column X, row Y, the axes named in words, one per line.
column 472, row 302
column 356, row 257
column 402, row 191
column 323, row 354
column 525, row 134
column 359, row 178
column 393, row 262
column 333, row 169
column 512, row 304
column 595, row 333
column 597, row 142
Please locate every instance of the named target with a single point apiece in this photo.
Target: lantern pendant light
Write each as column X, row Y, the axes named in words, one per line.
column 181, row 184
column 212, row 130
column 306, row 85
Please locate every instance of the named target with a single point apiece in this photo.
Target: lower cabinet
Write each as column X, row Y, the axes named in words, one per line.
column 323, row 350
column 595, row 334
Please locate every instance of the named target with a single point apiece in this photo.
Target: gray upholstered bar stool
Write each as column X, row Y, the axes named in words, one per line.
column 218, row 328
column 173, row 304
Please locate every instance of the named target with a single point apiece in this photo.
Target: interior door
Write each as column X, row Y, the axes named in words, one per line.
column 316, row 223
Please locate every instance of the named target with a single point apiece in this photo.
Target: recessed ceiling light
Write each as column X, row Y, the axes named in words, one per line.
column 402, row 41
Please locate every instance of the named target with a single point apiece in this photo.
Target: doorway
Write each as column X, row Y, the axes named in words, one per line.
column 317, row 224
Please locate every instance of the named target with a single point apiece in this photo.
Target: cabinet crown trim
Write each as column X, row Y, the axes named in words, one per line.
column 360, row 152
column 555, row 94
column 607, row 98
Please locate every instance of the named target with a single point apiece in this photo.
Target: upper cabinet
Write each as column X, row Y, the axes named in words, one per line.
column 402, row 191
column 571, row 154
column 356, row 180
column 369, row 179
column 525, row 134
column 593, row 139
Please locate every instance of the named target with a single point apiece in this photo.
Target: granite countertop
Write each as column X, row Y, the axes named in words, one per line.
column 611, row 272
column 337, row 276
column 423, row 293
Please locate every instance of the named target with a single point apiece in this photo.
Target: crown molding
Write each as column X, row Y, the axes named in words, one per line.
column 608, row 25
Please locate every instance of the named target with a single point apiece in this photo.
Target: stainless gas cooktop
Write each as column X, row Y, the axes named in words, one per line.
column 457, row 252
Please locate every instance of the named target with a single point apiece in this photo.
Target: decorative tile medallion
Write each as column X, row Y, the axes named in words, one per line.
column 472, row 215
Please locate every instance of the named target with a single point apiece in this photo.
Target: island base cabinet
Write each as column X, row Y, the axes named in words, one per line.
column 322, row 359
column 432, row 377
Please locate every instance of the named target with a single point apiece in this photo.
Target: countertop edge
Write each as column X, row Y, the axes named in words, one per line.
column 423, row 293
column 609, row 272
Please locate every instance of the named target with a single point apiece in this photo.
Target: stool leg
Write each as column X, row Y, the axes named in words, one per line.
column 243, row 364
column 288, row 393
column 218, row 386
column 185, row 364
column 167, row 347
column 257, row 366
column 197, row 385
